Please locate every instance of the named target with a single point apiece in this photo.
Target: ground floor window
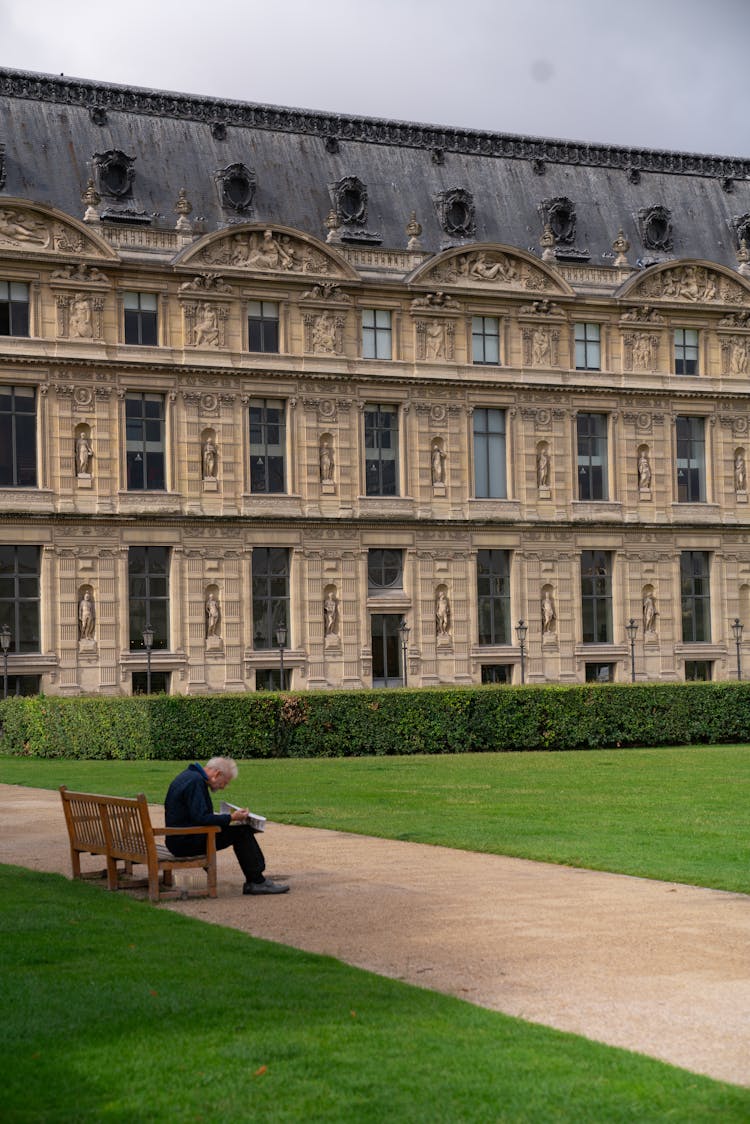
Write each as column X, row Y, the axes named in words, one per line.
column 19, row 685
column 600, row 673
column 699, row 671
column 159, row 682
column 269, row 679
column 497, row 673
column 387, row 660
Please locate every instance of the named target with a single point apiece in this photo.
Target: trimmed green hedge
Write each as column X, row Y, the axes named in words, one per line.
column 370, row 723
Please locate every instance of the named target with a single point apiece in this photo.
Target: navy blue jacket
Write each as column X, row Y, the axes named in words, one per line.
column 188, row 804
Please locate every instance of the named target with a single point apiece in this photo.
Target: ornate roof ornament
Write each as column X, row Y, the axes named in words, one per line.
column 183, row 207
column 743, row 258
column 333, row 226
column 92, row 199
column 547, row 242
column 413, row 231
column 621, row 247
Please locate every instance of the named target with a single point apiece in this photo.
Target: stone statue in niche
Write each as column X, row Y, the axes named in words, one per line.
column 326, row 461
column 644, row 471
column 210, row 459
column 81, row 324
column 435, row 340
column 740, row 471
column 324, row 334
column 86, row 616
column 84, row 455
column 649, row 612
column 438, row 464
column 549, row 615
column 541, row 347
column 207, row 327
column 213, row 615
column 442, row 613
column 542, row 467
column 330, row 613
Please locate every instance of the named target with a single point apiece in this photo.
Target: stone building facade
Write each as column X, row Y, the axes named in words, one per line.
column 388, row 389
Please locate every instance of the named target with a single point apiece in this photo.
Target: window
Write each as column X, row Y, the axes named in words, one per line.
column 489, row 454
column 141, row 323
column 14, row 308
column 376, row 334
column 159, row 682
column 19, row 596
column 600, row 672
column 691, row 460
column 148, row 595
column 497, row 673
column 493, row 596
column 270, row 594
column 381, row 450
column 592, row 457
column 588, row 347
column 20, row 686
column 387, row 650
column 385, row 570
column 699, row 671
column 267, row 445
column 485, row 339
column 17, row 437
column 263, row 326
column 596, row 596
column 695, row 595
column 269, row 679
column 685, row 351
column 144, row 442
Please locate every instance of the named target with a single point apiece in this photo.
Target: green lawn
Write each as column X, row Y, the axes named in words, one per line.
column 675, row 814
column 115, row 1010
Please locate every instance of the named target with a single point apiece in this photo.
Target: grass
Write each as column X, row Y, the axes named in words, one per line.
column 680, row 814
column 118, row 1011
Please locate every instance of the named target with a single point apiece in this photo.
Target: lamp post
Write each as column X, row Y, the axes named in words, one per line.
column 5, row 644
column 632, row 628
column 148, row 643
column 521, row 630
column 404, row 630
column 737, row 627
column 281, row 641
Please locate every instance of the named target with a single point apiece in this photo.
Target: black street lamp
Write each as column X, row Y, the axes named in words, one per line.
column 404, row 630
column 632, row 628
column 281, row 641
column 737, row 627
column 521, row 630
column 5, row 644
column 148, row 643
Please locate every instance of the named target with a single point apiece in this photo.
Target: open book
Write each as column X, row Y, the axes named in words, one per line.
column 257, row 823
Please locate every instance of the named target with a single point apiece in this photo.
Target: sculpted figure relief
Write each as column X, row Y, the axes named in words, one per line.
column 438, row 464
column 326, row 461
column 23, row 228
column 649, row 612
column 442, row 613
column 549, row 615
column 435, row 340
column 213, row 615
column 644, row 471
column 541, row 347
column 84, row 455
column 542, row 467
column 210, row 459
column 207, row 327
column 740, row 471
column 86, row 616
column 324, row 334
column 330, row 613
column 81, row 322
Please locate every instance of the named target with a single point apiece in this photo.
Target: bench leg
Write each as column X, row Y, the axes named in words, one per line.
column 112, row 877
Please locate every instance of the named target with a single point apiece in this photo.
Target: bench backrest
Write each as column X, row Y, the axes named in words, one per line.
column 84, row 819
column 118, row 825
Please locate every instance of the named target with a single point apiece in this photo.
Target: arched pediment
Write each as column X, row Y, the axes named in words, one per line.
column 690, row 281
column 262, row 248
column 489, row 265
column 30, row 228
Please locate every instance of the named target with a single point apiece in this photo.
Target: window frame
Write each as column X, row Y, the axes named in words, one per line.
column 21, row 595
column 490, row 447
column 592, row 456
column 493, row 596
column 690, row 459
column 586, row 344
column 139, row 318
column 596, row 601
column 380, row 562
column 267, row 458
column 481, row 337
column 695, row 602
column 379, row 336
column 18, row 319
column 152, row 451
column 267, row 325
column 148, row 594
column 379, row 468
column 18, row 437
column 686, row 354
column 270, row 569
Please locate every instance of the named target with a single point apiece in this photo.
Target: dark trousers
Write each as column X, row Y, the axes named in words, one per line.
column 239, row 836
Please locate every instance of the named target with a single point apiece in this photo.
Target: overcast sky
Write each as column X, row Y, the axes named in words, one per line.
column 649, row 73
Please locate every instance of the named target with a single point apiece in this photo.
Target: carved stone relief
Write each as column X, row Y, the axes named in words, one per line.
column 205, row 323
column 560, row 215
column 266, row 251
column 456, row 212
column 435, row 339
column 236, row 185
column 79, row 316
column 641, row 351
column 488, row 267
column 324, row 333
column 115, row 173
column 540, row 345
column 655, row 225
column 549, row 612
column 326, row 459
column 349, row 198
column 694, row 283
column 643, row 315
column 734, row 354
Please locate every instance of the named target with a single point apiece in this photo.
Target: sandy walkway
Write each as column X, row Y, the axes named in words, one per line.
column 656, row 967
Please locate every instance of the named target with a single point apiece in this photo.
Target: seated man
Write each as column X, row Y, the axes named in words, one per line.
column 188, row 804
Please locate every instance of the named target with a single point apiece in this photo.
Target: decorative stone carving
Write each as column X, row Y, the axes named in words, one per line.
column 739, row 319
column 549, row 613
column 86, row 614
column 435, row 339
column 547, row 243
column 183, row 207
column 650, row 612
column 541, row 308
column 694, row 283
column 333, row 226
column 84, row 453
column 641, row 351
column 265, row 251
column 560, row 215
column 349, row 197
column 81, row 272
column 324, row 333
column 23, row 228
column 540, row 345
column 213, row 613
column 79, row 316
column 643, row 315
column 206, row 283
column 92, row 199
column 456, row 212
column 435, row 302
column 488, row 267
column 413, row 232
column 655, row 224
column 205, row 323
column 115, row 173
column 644, row 469
column 734, row 354
column 442, row 612
column 328, row 291
column 236, row 185
column 621, row 247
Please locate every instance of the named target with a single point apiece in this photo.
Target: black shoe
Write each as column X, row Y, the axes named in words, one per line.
column 267, row 887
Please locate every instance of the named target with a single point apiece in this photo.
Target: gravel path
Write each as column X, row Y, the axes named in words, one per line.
column 656, row 967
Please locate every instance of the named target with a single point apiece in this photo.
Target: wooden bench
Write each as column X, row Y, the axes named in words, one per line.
column 120, row 829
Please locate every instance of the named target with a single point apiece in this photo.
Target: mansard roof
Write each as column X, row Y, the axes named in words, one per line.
column 247, row 163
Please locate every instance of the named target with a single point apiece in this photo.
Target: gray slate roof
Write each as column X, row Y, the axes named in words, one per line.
column 52, row 127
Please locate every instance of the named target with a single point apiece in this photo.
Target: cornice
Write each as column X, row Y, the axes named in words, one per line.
column 371, row 130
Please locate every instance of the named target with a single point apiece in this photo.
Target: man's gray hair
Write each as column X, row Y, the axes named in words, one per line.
column 225, row 765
